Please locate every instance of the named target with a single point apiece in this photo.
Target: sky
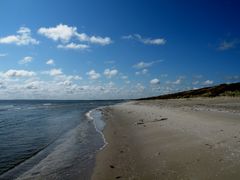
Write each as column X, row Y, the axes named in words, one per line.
column 75, row 49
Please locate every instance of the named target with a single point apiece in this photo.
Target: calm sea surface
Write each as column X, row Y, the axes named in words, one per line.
column 49, row 139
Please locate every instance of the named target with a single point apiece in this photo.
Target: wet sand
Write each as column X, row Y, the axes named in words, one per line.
column 171, row 139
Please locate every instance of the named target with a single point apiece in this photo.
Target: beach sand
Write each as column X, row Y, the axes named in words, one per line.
column 171, row 139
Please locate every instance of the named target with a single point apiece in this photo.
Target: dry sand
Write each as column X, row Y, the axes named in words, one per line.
column 171, row 139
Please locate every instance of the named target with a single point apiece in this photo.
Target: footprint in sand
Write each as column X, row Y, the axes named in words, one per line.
column 140, row 121
column 161, row 119
column 209, row 146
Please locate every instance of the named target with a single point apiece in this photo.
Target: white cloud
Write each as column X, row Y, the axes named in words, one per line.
column 195, row 82
column 54, row 72
column 64, row 87
column 63, row 77
column 233, row 78
column 3, row 54
column 26, row 60
column 178, row 81
column 124, row 77
column 61, row 32
column 50, row 62
column 93, row 75
column 33, row 85
column 142, row 64
column 144, row 71
column 65, row 33
column 94, row 39
column 23, row 37
column 164, row 75
column 154, row 81
column 74, row 77
column 18, row 73
column 148, row 41
column 139, row 87
column 74, row 46
column 100, row 40
column 208, row 82
column 110, row 73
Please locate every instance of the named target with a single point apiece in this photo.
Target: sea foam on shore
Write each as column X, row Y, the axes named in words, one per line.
column 95, row 115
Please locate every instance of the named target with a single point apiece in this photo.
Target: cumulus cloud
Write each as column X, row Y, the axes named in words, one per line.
column 50, row 62
column 65, row 33
column 148, row 41
column 74, row 77
column 93, row 75
column 207, row 82
column 110, row 73
column 68, row 78
column 26, row 60
column 154, row 81
column 74, row 46
column 61, row 32
column 142, row 64
column 23, row 37
column 33, row 85
column 18, row 73
column 55, row 72
column 64, row 86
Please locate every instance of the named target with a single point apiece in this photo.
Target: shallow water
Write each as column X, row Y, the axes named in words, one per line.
column 49, row 139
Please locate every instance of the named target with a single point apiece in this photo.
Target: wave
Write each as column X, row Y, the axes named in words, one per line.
column 95, row 116
column 47, row 104
column 6, row 107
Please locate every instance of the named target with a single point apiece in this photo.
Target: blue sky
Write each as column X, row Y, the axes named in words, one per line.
column 73, row 49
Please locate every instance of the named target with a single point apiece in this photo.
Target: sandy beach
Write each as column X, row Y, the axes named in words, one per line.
column 171, row 139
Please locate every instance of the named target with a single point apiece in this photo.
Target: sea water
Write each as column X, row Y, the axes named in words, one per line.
column 50, row 139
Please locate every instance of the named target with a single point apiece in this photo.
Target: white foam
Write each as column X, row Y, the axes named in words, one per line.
column 47, row 104
column 88, row 115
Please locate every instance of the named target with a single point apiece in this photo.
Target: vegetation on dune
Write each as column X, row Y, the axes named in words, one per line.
column 219, row 90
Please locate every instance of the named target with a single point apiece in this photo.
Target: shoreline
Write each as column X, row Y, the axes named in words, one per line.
column 99, row 118
column 171, row 139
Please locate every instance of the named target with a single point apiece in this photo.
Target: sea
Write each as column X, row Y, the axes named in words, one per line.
column 50, row 139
